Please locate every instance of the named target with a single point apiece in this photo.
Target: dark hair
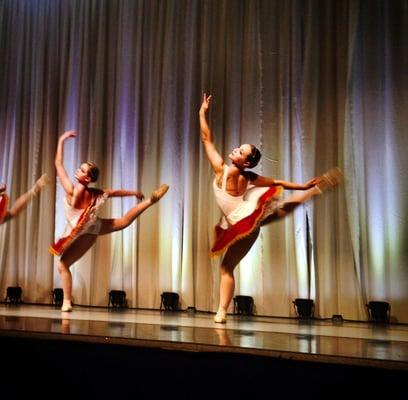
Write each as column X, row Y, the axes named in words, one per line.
column 93, row 171
column 254, row 157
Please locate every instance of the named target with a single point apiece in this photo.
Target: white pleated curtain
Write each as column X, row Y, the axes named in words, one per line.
column 314, row 84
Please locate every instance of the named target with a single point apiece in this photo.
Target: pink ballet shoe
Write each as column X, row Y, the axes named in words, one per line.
column 40, row 183
column 159, row 193
column 66, row 306
column 220, row 317
column 329, row 180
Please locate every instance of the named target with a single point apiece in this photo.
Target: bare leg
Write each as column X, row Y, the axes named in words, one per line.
column 71, row 255
column 22, row 202
column 290, row 204
column 117, row 224
column 82, row 244
column 236, row 252
column 227, row 285
column 328, row 181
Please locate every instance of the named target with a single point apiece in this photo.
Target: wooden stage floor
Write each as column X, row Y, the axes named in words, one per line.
column 100, row 352
column 348, row 343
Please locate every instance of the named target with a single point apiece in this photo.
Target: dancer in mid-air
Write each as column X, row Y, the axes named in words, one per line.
column 83, row 225
column 21, row 203
column 247, row 202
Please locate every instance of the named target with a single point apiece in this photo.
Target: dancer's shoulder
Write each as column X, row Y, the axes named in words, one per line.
column 96, row 192
column 249, row 175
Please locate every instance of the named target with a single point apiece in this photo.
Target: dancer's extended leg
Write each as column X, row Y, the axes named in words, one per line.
column 24, row 199
column 227, row 284
column 83, row 243
column 329, row 180
column 115, row 224
column 291, row 203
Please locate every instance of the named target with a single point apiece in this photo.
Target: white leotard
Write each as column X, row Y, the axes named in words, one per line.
column 235, row 208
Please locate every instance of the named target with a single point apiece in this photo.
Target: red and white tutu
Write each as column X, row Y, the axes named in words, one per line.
column 242, row 214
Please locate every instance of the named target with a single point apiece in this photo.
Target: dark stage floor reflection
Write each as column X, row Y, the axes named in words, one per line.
column 353, row 343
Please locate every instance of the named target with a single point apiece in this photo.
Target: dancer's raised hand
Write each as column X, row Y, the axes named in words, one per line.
column 205, row 102
column 68, row 134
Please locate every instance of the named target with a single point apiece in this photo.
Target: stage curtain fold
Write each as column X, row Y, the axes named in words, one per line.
column 313, row 84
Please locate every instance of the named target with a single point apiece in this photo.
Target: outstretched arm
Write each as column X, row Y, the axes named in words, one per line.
column 216, row 161
column 59, row 163
column 264, row 181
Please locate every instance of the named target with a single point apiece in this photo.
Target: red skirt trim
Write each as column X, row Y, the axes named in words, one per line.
column 224, row 238
column 63, row 243
column 3, row 206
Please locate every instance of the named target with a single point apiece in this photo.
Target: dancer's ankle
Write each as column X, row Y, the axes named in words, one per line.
column 159, row 193
column 39, row 184
column 330, row 179
column 221, row 316
column 66, row 305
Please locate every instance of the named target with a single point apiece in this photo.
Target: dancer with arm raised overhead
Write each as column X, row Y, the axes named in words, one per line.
column 243, row 212
column 81, row 205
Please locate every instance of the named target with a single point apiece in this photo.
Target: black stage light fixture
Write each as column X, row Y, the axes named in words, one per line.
column 117, row 299
column 57, row 297
column 13, row 295
column 169, row 301
column 243, row 305
column 337, row 318
column 379, row 311
column 304, row 308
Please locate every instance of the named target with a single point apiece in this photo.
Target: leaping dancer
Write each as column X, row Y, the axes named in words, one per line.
column 81, row 206
column 247, row 202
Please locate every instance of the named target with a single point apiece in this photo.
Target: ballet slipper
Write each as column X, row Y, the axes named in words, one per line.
column 40, row 183
column 66, row 306
column 220, row 317
column 159, row 193
column 329, row 180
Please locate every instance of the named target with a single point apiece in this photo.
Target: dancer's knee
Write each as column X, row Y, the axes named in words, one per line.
column 227, row 269
column 63, row 267
column 120, row 223
column 8, row 216
column 289, row 206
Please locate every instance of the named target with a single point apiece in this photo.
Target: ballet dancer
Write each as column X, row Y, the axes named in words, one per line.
column 247, row 202
column 83, row 224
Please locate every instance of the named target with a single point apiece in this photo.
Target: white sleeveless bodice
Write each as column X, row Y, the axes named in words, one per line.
column 235, row 208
